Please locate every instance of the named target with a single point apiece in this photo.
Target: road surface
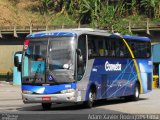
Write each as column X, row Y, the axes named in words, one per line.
column 11, row 105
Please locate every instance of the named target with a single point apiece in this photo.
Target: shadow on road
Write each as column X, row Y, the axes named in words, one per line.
column 56, row 107
column 115, row 101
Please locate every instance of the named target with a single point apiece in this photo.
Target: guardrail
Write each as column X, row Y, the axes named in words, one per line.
column 131, row 26
column 37, row 28
column 15, row 30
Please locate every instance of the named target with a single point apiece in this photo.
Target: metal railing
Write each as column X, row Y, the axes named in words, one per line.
column 130, row 25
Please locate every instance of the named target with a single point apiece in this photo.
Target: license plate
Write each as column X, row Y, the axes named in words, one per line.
column 46, row 98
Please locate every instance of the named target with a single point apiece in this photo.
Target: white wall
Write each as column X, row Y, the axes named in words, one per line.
column 6, row 57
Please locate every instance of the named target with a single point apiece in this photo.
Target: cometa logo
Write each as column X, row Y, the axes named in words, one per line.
column 113, row 67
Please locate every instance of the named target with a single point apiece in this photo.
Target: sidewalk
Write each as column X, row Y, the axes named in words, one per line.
column 10, row 95
column 5, row 83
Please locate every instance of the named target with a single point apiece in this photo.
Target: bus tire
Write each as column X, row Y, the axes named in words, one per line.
column 91, row 98
column 46, row 106
column 135, row 96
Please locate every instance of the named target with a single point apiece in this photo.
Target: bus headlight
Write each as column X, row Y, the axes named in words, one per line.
column 26, row 92
column 67, row 91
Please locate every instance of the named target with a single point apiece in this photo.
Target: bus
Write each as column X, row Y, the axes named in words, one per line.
column 84, row 65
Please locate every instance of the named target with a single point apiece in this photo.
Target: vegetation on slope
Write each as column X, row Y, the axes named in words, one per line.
column 96, row 13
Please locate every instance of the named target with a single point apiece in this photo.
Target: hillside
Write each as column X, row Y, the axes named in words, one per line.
column 23, row 12
column 12, row 14
column 105, row 14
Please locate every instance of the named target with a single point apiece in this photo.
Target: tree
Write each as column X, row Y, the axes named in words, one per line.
column 149, row 6
column 134, row 7
column 87, row 10
column 157, row 9
column 45, row 5
column 120, row 8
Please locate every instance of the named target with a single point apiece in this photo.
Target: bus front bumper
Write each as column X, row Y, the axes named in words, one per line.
column 49, row 98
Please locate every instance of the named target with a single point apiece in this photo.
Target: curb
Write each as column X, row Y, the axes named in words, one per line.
column 5, row 83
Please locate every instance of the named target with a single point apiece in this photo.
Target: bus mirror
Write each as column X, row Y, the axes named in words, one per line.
column 19, row 68
column 16, row 61
column 79, row 57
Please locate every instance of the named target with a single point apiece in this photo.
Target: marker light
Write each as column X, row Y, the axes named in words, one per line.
column 26, row 43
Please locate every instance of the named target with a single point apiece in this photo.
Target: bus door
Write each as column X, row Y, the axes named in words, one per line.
column 81, row 62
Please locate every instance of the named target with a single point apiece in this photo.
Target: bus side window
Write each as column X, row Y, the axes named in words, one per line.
column 101, row 47
column 92, row 51
column 113, row 48
column 140, row 49
column 106, row 51
column 148, row 50
column 124, row 51
column 118, row 44
column 132, row 46
column 107, row 47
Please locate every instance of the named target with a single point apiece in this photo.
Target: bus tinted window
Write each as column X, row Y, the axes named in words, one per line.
column 93, row 44
column 121, row 49
column 101, row 49
column 110, row 47
column 116, row 48
column 140, row 49
column 101, row 46
column 106, row 47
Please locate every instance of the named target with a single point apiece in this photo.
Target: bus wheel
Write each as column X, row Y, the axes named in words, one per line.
column 91, row 99
column 46, row 106
column 135, row 96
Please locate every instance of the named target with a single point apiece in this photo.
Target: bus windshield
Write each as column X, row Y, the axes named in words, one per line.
column 46, row 59
column 60, row 53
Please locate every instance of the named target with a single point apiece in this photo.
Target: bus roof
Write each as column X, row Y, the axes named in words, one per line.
column 136, row 38
column 79, row 31
column 69, row 33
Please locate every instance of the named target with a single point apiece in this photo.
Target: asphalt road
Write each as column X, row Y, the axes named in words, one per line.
column 11, row 106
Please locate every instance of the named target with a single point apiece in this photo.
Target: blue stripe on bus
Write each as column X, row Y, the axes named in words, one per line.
column 54, row 34
column 48, row 89
column 131, row 37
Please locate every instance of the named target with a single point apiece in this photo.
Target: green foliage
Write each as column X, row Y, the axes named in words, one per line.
column 45, row 6
column 99, row 13
column 152, row 7
column 106, row 16
column 156, row 21
column 148, row 3
column 120, row 9
column 120, row 26
column 63, row 20
column 96, row 13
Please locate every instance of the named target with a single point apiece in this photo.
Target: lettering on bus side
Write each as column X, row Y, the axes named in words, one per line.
column 113, row 67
